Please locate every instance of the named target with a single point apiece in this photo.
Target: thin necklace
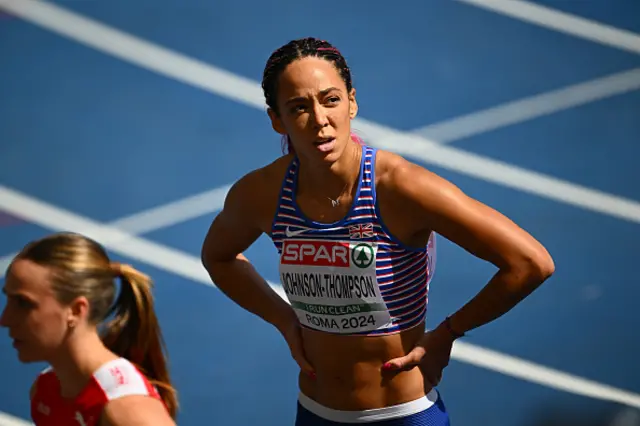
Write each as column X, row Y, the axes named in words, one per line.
column 335, row 203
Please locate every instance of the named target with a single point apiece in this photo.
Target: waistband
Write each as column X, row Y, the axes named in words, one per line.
column 371, row 415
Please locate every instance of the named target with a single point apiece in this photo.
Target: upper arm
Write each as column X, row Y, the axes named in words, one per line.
column 240, row 222
column 440, row 206
column 136, row 410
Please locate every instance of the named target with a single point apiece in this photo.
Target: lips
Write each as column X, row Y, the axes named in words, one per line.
column 322, row 141
column 325, row 144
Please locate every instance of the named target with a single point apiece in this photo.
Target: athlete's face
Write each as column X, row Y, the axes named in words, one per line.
column 37, row 322
column 314, row 109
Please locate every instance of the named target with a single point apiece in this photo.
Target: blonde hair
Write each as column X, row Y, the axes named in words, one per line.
column 81, row 267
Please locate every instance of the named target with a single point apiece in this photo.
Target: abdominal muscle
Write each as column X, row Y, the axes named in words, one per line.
column 349, row 374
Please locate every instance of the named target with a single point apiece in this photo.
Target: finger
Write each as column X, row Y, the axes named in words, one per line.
column 410, row 360
column 304, row 364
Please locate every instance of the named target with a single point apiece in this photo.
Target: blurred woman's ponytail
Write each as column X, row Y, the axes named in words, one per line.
column 134, row 332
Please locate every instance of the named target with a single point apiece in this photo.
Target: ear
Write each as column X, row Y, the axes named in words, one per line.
column 78, row 311
column 353, row 104
column 276, row 122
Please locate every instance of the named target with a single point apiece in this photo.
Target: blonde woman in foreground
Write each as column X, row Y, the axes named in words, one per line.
column 59, row 290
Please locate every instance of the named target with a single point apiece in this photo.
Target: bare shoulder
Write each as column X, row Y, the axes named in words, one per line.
column 426, row 197
column 248, row 211
column 266, row 178
column 419, row 202
column 136, row 410
column 253, row 198
column 410, row 198
column 410, row 183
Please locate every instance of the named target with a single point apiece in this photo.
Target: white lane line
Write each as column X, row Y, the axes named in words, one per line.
column 528, row 108
column 133, row 49
column 175, row 212
column 248, row 92
column 178, row 211
column 4, row 263
column 525, row 370
column 504, row 174
column 139, row 249
column 9, row 420
column 563, row 22
column 190, row 267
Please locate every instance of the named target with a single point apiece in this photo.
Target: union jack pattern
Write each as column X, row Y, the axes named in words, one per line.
column 361, row 230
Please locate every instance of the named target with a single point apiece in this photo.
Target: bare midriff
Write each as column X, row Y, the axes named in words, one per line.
column 349, row 373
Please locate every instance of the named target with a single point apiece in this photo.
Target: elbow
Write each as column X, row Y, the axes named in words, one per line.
column 544, row 265
column 215, row 263
column 206, row 258
column 531, row 271
column 210, row 266
column 538, row 268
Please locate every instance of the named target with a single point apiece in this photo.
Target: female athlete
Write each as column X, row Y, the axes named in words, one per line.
column 59, row 290
column 354, row 227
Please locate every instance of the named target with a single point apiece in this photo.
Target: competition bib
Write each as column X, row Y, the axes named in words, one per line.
column 332, row 285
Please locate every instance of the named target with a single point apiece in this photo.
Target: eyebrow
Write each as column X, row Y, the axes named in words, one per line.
column 18, row 294
column 4, row 291
column 21, row 296
column 322, row 93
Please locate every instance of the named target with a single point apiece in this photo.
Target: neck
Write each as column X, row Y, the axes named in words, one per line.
column 332, row 180
column 75, row 365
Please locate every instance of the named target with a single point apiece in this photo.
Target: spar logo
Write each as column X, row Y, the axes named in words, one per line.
column 316, row 253
column 362, row 255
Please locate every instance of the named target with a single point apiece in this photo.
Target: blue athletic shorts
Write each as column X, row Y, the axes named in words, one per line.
column 427, row 411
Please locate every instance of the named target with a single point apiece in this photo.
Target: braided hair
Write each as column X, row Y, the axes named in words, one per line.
column 285, row 55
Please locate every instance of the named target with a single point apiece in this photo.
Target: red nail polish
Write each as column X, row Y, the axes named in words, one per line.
column 387, row 366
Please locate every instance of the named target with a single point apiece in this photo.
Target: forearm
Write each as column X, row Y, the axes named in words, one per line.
column 239, row 280
column 504, row 291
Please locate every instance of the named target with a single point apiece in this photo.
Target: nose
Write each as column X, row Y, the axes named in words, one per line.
column 320, row 117
column 4, row 318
